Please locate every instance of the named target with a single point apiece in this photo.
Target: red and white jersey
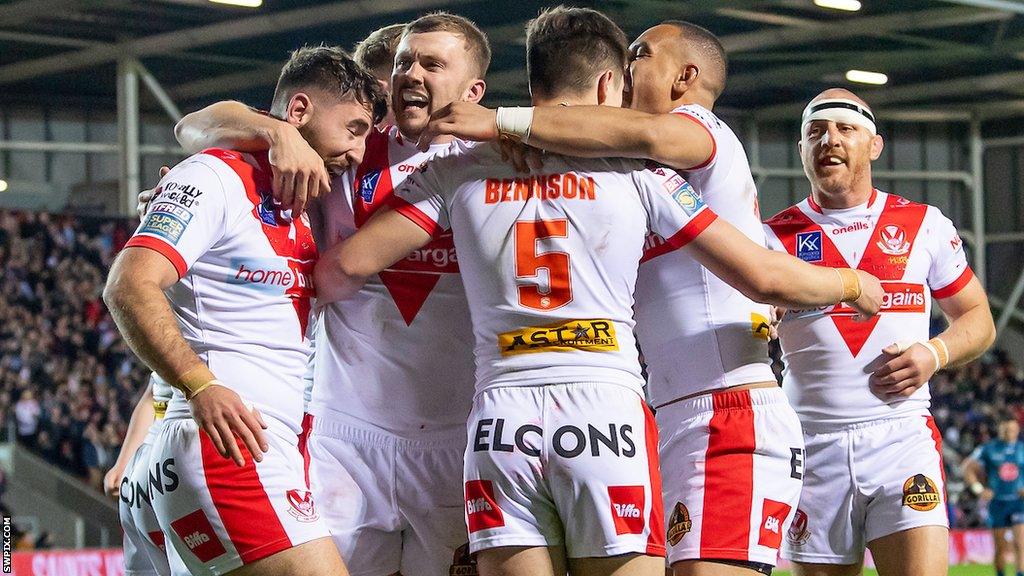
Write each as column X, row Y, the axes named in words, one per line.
column 550, row 260
column 398, row 354
column 914, row 250
column 696, row 332
column 245, row 268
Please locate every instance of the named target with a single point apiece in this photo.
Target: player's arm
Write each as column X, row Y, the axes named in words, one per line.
column 385, row 239
column 589, row 131
column 299, row 172
column 970, row 332
column 135, row 296
column 973, row 473
column 138, row 426
column 777, row 278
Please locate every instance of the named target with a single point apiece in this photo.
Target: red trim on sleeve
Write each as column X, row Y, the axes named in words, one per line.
column 955, row 286
column 693, row 229
column 714, row 143
column 413, row 213
column 165, row 250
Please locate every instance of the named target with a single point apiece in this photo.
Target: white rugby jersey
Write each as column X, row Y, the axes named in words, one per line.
column 399, row 354
column 245, row 268
column 550, row 260
column 698, row 333
column 914, row 250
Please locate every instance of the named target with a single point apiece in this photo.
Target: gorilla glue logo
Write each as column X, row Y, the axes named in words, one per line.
column 679, row 524
column 920, row 493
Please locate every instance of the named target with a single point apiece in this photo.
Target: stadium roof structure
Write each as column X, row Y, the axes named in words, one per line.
column 957, row 56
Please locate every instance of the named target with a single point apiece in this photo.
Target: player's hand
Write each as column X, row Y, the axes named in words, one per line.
column 299, row 172
column 775, row 313
column 146, row 196
column 464, row 120
column 112, row 481
column 871, row 293
column 988, row 494
column 221, row 413
column 524, row 158
column 902, row 375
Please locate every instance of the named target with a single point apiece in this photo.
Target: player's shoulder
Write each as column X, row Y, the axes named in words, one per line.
column 788, row 216
column 702, row 115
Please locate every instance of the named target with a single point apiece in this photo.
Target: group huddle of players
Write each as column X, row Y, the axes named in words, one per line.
column 420, row 243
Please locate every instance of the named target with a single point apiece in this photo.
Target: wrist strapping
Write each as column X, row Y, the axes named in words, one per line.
column 515, row 122
column 939, row 351
column 851, row 284
column 977, row 488
column 195, row 381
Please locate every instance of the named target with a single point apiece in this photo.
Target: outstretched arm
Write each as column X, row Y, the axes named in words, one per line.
column 142, row 417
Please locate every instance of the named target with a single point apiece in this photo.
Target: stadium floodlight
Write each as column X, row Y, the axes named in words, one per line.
column 3, row 185
column 864, row 77
column 243, row 3
column 847, row 5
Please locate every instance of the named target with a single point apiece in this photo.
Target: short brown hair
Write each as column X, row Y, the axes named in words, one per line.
column 455, row 24
column 567, row 47
column 332, row 70
column 377, row 51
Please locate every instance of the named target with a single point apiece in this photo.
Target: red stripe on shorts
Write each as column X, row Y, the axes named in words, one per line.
column 242, row 503
column 728, row 478
column 937, row 438
column 307, row 429
column 656, row 522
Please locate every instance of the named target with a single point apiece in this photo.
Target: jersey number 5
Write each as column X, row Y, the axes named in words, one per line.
column 529, row 262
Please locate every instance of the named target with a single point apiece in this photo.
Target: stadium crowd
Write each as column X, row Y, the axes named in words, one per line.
column 68, row 382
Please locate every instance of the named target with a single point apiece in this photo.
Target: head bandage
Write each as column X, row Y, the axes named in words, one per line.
column 839, row 110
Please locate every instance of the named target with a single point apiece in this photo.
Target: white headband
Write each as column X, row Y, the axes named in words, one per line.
column 840, row 110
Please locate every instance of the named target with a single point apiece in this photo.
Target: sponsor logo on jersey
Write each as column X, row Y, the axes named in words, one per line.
column 627, row 508
column 580, row 335
column 1008, row 472
column 163, row 477
column 368, row 185
column 687, row 198
column 897, row 297
column 796, row 463
column 892, row 240
column 300, row 505
column 773, row 516
column 197, row 533
column 184, row 195
column 273, row 274
column 808, row 246
column 855, row 227
column 165, row 225
column 760, row 327
column 679, row 524
column 157, row 537
column 270, row 211
column 482, row 511
column 463, row 563
column 134, row 494
column 543, row 187
column 956, row 243
column 920, row 493
column 168, row 208
column 798, row 532
column 568, row 441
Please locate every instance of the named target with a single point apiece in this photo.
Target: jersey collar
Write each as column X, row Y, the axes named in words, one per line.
column 814, row 205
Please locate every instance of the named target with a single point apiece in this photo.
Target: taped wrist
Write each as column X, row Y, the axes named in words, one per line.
column 195, row 381
column 851, row 284
column 515, row 122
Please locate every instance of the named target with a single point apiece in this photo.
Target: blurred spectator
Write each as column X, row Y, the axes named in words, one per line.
column 26, row 412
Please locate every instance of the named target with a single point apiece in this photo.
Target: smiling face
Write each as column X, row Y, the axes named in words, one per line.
column 837, row 156
column 432, row 70
column 336, row 129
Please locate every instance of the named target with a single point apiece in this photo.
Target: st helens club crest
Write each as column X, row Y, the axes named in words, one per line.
column 300, row 505
column 892, row 240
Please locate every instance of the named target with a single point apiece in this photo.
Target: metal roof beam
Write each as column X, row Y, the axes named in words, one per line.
column 859, row 26
column 1004, row 5
column 219, row 33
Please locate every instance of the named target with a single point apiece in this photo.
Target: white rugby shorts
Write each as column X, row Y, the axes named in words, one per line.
column 564, row 464
column 863, row 482
column 732, row 463
column 144, row 550
column 391, row 503
column 219, row 516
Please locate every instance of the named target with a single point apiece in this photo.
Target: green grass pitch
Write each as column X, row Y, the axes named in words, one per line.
column 965, row 570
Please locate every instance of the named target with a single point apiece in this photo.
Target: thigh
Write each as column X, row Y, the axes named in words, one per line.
column 603, row 471
column 351, row 475
column 522, row 561
column 811, row 569
column 432, row 505
column 314, row 558
column 621, row 565
column 219, row 516
column 921, row 551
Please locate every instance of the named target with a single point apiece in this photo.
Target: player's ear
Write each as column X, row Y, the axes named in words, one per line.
column 475, row 91
column 606, row 86
column 685, row 80
column 876, row 146
column 300, row 109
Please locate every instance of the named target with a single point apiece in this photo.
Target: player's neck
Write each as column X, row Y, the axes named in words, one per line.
column 698, row 97
column 562, row 100
column 849, row 198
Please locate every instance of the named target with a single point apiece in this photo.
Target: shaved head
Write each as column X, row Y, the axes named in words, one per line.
column 840, row 93
column 703, row 48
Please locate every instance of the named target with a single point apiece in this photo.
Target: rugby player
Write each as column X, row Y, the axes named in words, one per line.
column 728, row 433
column 860, row 387
column 226, row 478
column 376, row 53
column 999, row 462
column 550, row 262
column 393, row 381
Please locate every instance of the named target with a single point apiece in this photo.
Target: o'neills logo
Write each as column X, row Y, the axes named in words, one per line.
column 679, row 524
column 856, row 226
column 920, row 493
column 544, row 187
column 584, row 335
